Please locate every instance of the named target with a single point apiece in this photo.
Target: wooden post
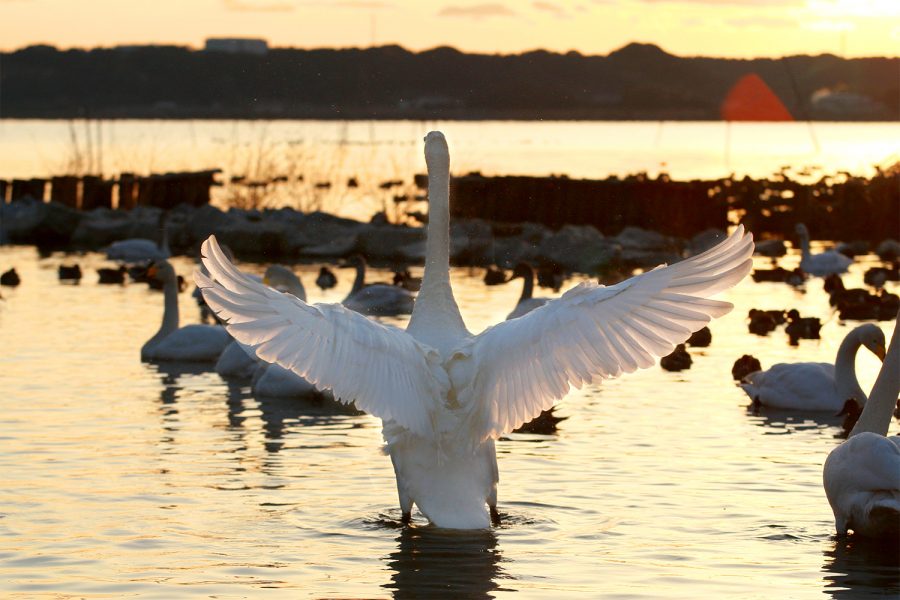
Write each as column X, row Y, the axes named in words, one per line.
column 95, row 193
column 127, row 191
column 23, row 188
column 64, row 189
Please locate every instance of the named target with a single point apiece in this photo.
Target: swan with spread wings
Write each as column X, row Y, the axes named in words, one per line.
column 443, row 394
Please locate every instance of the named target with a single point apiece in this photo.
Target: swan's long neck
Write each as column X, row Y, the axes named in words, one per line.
column 170, row 310
column 528, row 287
column 876, row 414
column 360, row 280
column 845, row 370
column 436, row 315
column 804, row 244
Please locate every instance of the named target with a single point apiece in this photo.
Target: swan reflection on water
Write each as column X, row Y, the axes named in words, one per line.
column 433, row 562
column 856, row 567
column 786, row 422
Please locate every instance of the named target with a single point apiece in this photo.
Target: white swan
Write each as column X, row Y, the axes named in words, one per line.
column 135, row 250
column 192, row 343
column 443, row 394
column 274, row 381
column 526, row 303
column 862, row 475
column 238, row 361
column 284, row 280
column 824, row 263
column 816, row 386
column 377, row 299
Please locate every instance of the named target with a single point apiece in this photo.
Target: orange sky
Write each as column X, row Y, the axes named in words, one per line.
column 732, row 28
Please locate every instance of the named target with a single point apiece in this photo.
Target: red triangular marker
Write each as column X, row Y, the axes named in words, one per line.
column 750, row 99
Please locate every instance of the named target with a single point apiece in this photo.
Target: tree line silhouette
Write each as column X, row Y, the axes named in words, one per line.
column 639, row 81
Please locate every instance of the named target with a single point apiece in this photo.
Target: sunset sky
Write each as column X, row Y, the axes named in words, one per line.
column 728, row 28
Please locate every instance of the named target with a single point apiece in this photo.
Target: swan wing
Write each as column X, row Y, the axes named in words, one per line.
column 592, row 332
column 382, row 369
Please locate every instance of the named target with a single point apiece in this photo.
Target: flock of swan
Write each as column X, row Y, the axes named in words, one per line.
column 445, row 395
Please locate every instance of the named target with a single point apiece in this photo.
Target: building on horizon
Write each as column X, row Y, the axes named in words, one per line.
column 255, row 46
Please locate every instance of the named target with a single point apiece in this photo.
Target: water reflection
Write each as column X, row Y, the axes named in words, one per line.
column 431, row 562
column 863, row 568
column 785, row 422
column 170, row 374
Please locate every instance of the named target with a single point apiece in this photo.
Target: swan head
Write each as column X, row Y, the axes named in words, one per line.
column 872, row 337
column 523, row 270
column 161, row 270
column 437, row 155
column 355, row 260
column 801, row 230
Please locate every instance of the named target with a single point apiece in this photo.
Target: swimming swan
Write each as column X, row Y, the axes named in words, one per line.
column 377, row 299
column 527, row 302
column 443, row 394
column 191, row 343
column 816, row 386
column 824, row 263
column 862, row 475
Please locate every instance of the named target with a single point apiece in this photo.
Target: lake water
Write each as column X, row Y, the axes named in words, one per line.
column 122, row 479
column 331, row 152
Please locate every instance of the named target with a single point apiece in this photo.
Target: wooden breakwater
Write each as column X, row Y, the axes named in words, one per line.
column 87, row 192
column 840, row 208
column 671, row 207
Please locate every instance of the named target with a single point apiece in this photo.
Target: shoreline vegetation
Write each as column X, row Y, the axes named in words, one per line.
column 636, row 82
column 586, row 226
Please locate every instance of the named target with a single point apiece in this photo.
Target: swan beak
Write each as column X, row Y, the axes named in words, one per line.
column 152, row 271
column 880, row 352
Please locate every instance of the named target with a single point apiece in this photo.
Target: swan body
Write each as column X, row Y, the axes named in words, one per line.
column 192, row 343
column 237, row 361
column 274, row 381
column 527, row 302
column 443, row 394
column 135, row 250
column 377, row 299
column 816, row 386
column 862, row 476
column 824, row 263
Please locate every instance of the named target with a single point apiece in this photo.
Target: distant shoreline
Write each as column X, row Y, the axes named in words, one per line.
column 639, row 82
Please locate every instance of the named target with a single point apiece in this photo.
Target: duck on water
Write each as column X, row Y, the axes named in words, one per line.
column 443, row 394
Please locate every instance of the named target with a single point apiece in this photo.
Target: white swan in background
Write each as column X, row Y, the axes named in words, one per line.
column 192, row 343
column 526, row 303
column 822, row 264
column 862, row 475
column 443, row 394
column 817, row 386
column 135, row 250
column 284, row 280
column 377, row 299
column 238, row 361
column 274, row 381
